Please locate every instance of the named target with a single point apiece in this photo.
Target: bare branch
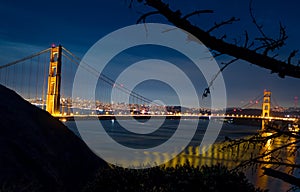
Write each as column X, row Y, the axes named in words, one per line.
column 274, row 56
column 251, row 56
column 218, row 25
column 144, row 16
column 268, row 44
column 257, row 158
column 132, row 1
column 216, row 54
column 259, row 27
column 280, row 163
column 228, row 63
column 246, row 39
column 292, row 54
column 255, row 139
column 207, row 90
column 283, row 176
column 223, row 37
column 198, row 12
column 279, row 131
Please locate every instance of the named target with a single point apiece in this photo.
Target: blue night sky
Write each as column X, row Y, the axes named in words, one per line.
column 30, row 26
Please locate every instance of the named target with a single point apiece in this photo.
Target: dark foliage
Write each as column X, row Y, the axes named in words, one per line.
column 181, row 178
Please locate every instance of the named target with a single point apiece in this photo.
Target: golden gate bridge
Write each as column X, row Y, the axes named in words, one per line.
column 46, row 78
column 43, row 80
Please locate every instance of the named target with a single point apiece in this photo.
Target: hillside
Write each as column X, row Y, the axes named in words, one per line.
column 39, row 153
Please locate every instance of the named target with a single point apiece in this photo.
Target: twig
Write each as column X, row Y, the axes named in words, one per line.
column 198, row 12
column 217, row 25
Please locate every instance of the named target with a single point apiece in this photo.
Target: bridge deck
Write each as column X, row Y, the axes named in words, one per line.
column 224, row 117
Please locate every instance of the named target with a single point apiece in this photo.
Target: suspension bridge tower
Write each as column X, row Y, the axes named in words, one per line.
column 54, row 81
column 266, row 107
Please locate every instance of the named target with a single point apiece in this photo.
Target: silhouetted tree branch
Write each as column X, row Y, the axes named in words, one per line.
column 275, row 146
column 197, row 13
column 256, row 55
column 144, row 16
column 207, row 90
column 268, row 44
column 217, row 25
column 281, row 175
column 261, row 51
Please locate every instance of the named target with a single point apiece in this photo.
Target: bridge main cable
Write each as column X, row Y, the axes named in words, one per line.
column 257, row 98
column 105, row 78
column 24, row 59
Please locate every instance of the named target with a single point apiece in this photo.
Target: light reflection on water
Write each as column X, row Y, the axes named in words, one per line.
column 208, row 155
